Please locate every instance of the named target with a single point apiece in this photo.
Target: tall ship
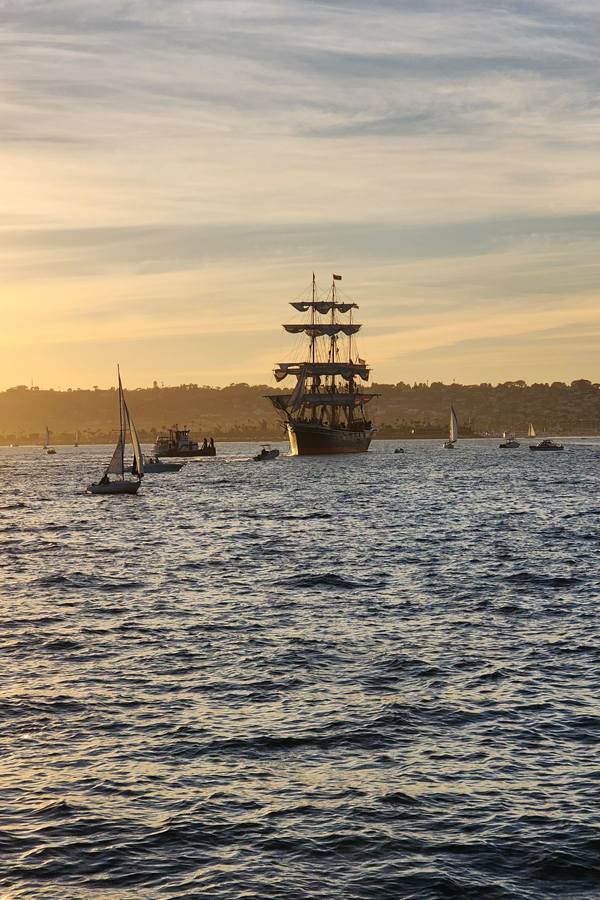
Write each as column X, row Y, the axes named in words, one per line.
column 179, row 443
column 325, row 413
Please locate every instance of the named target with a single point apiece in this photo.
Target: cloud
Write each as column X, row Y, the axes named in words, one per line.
column 174, row 166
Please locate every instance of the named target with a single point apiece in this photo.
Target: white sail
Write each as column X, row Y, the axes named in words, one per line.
column 531, row 430
column 137, row 450
column 115, row 466
column 453, row 425
column 76, row 436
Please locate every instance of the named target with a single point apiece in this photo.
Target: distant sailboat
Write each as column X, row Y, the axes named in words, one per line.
column 47, row 446
column 531, row 430
column 76, row 444
column 117, row 464
column 449, row 444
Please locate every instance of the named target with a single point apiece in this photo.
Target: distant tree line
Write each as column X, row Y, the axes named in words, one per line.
column 241, row 412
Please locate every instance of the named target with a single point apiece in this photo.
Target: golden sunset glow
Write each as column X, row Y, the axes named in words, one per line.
column 172, row 174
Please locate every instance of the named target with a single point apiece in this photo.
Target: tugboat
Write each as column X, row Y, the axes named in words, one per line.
column 325, row 411
column 546, row 445
column 179, row 443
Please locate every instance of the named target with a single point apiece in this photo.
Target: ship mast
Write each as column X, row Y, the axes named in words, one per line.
column 333, row 385
column 326, row 393
column 313, row 340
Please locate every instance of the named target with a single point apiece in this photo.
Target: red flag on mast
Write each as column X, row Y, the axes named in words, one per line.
column 337, row 277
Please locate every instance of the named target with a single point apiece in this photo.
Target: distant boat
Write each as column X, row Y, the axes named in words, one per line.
column 449, row 444
column 531, row 431
column 266, row 453
column 179, row 443
column 47, row 446
column 76, row 444
column 510, row 443
column 398, row 450
column 117, row 464
column 154, row 466
column 546, row 444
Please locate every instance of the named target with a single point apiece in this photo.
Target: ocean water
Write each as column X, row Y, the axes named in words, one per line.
column 363, row 677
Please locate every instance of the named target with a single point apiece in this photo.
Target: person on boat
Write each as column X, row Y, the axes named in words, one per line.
column 134, row 468
column 212, row 444
column 205, row 444
column 105, row 479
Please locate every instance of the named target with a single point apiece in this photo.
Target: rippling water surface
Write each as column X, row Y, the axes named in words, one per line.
column 370, row 677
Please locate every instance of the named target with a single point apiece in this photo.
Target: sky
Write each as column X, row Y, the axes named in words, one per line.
column 173, row 171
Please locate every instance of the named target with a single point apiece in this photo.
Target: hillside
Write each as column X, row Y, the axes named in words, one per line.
column 240, row 410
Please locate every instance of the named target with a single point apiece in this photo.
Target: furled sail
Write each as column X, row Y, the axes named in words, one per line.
column 296, row 397
column 322, row 330
column 453, row 425
column 47, row 437
column 286, row 401
column 352, row 400
column 325, row 307
column 346, row 370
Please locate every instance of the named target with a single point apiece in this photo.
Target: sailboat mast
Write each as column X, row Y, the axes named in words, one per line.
column 313, row 344
column 121, row 428
column 312, row 322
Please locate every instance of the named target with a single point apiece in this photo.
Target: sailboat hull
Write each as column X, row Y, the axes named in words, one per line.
column 310, row 440
column 115, row 487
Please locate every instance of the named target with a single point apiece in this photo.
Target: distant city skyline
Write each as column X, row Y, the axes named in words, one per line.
column 174, row 172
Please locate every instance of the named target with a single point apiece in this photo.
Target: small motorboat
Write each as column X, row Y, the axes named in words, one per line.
column 398, row 450
column 114, row 487
column 546, row 444
column 266, row 453
column 50, row 451
column 154, row 465
column 510, row 444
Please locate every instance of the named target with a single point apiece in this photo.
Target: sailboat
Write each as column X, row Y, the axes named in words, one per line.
column 117, row 464
column 76, row 444
column 325, row 411
column 531, row 430
column 449, row 444
column 49, row 450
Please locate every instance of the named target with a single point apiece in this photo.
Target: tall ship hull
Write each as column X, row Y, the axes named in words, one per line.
column 307, row 440
column 325, row 411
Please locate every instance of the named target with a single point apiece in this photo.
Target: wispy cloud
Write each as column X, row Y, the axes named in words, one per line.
column 165, row 160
